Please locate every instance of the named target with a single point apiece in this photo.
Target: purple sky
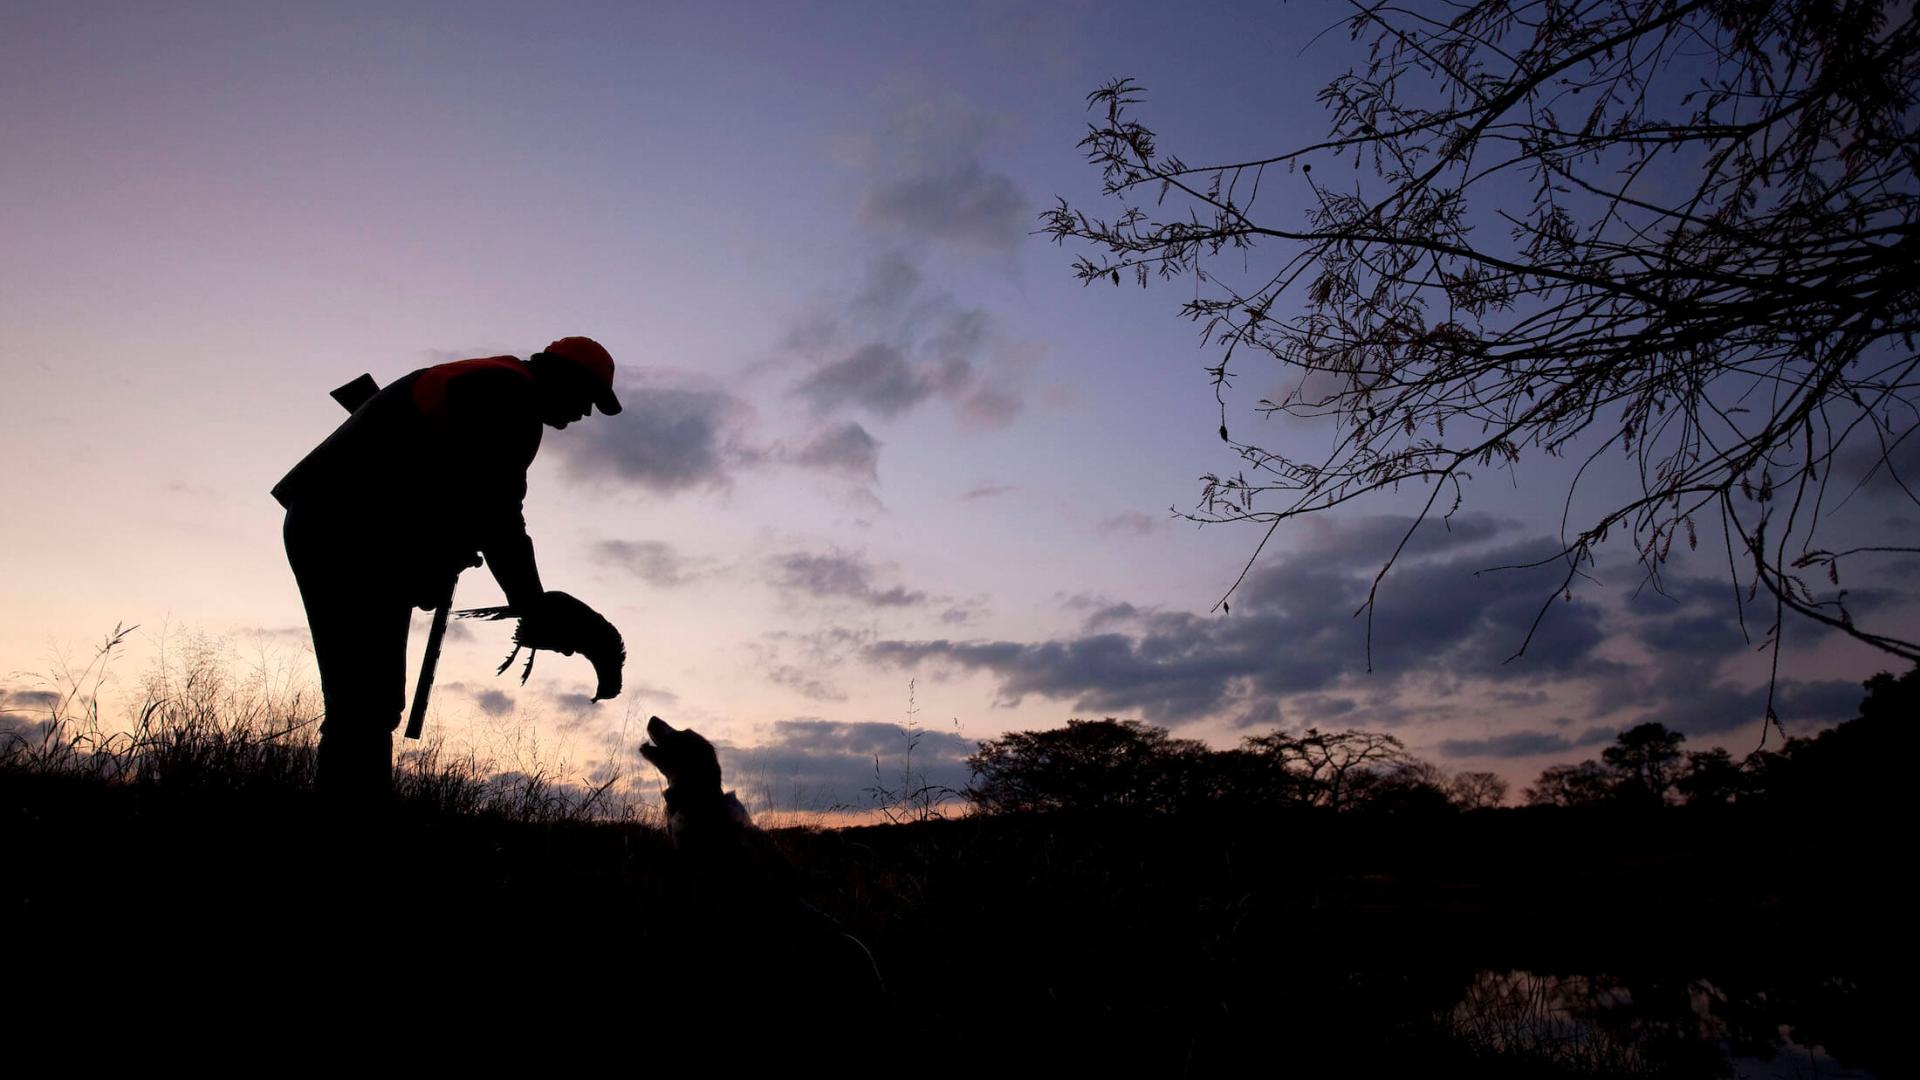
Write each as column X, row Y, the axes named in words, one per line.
column 875, row 430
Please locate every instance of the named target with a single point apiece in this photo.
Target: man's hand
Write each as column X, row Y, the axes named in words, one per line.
column 560, row 623
column 549, row 625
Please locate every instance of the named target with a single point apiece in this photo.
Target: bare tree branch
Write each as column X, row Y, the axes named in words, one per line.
column 1682, row 230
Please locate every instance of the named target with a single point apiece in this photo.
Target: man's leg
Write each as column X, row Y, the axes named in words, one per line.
column 360, row 642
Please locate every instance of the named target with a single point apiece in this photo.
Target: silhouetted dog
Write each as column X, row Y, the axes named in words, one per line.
column 702, row 819
column 742, row 889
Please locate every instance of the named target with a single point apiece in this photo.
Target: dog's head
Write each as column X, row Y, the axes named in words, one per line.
column 683, row 756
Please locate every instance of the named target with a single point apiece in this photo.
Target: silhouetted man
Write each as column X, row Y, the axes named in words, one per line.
column 426, row 476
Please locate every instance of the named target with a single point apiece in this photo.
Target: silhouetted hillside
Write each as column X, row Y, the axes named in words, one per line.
column 1129, row 942
column 1126, row 903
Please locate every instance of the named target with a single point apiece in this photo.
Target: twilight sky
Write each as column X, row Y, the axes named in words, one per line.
column 875, row 431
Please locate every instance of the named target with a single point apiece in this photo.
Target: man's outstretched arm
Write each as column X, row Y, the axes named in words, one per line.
column 496, row 435
column 511, row 560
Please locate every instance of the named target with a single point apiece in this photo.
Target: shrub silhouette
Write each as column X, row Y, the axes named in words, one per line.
column 1086, row 765
column 1857, row 765
column 1106, row 765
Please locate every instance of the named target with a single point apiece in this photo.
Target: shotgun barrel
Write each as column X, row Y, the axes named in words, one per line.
column 417, row 715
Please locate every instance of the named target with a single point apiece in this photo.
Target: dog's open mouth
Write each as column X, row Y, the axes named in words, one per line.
column 683, row 756
column 660, row 749
column 658, row 731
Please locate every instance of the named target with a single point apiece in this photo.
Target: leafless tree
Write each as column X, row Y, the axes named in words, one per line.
column 1588, row 783
column 1674, row 237
column 1328, row 763
column 1476, row 790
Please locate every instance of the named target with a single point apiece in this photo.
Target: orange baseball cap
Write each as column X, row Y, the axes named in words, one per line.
column 595, row 363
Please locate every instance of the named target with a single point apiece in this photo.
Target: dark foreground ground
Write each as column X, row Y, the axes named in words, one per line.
column 256, row 927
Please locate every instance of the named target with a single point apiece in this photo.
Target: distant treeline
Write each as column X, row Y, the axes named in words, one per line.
column 1128, row 765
